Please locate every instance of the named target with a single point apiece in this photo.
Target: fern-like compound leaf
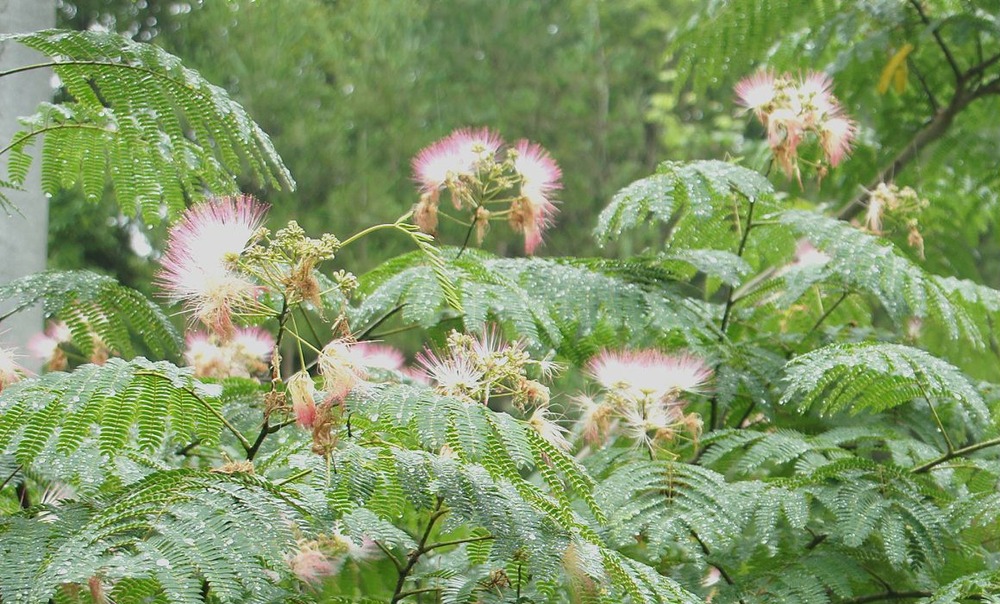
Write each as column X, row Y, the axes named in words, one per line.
column 57, row 412
column 95, row 305
column 873, row 376
column 158, row 131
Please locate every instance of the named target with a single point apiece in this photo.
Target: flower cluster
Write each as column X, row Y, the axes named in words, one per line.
column 200, row 265
column 476, row 368
column 642, row 394
column 322, row 557
column 790, row 108
column 481, row 173
column 901, row 204
column 10, row 370
column 47, row 346
column 246, row 354
column 343, row 367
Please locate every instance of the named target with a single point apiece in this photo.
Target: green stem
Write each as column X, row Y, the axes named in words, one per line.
column 826, row 314
column 12, row 475
column 293, row 477
column 457, row 542
column 369, row 231
column 727, row 313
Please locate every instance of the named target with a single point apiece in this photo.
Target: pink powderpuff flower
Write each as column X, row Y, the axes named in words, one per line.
column 757, row 92
column 808, row 255
column 246, row 354
column 10, row 370
column 379, row 356
column 457, row 376
column 254, row 343
column 836, row 135
column 540, row 177
column 649, row 373
column 458, row 154
column 45, row 345
column 206, row 356
column 302, row 391
column 198, row 263
column 310, row 564
column 813, row 98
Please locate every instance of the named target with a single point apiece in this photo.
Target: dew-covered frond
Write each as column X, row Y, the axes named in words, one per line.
column 862, row 263
column 875, row 376
column 703, row 204
column 91, row 304
column 730, row 38
column 137, row 118
column 175, row 536
column 121, row 404
column 575, row 307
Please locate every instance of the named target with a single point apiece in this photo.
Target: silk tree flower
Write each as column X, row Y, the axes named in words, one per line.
column 835, row 135
column 10, row 370
column 379, row 356
column 309, row 563
column 789, row 108
column 534, row 211
column 244, row 355
column 649, row 374
column 45, row 345
column 444, row 163
column 342, row 369
column 302, row 391
column 453, row 375
column 198, row 265
column 757, row 92
column 543, row 423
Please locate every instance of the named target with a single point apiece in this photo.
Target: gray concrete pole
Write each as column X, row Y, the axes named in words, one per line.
column 23, row 232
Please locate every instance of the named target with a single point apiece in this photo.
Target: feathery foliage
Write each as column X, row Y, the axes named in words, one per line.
column 137, row 118
column 95, row 305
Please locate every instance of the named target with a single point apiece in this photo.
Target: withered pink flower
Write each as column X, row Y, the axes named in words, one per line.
column 341, row 368
column 198, row 265
column 540, row 178
column 302, row 391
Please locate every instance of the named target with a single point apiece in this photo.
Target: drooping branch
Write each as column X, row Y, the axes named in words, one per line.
column 993, row 442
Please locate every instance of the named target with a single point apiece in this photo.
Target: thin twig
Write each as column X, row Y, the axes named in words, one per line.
column 392, row 557
column 704, row 548
column 12, row 475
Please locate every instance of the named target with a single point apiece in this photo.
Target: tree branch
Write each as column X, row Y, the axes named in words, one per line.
column 993, row 442
column 959, row 78
column 411, row 560
column 889, row 595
